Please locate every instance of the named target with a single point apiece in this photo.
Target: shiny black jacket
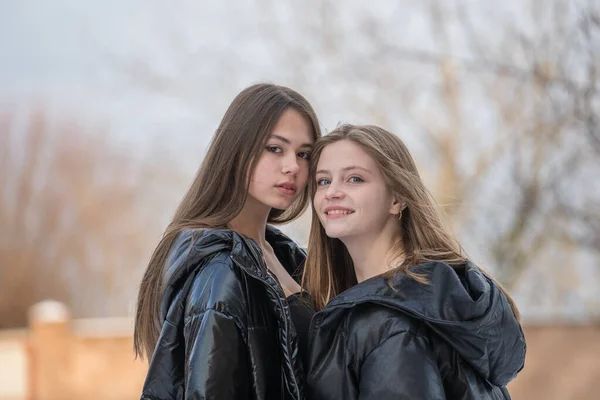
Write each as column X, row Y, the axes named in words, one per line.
column 226, row 332
column 455, row 338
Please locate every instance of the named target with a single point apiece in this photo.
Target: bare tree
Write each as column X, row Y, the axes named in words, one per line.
column 545, row 103
column 72, row 226
column 512, row 188
column 501, row 112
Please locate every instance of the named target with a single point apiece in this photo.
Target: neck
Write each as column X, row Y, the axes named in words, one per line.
column 371, row 252
column 252, row 221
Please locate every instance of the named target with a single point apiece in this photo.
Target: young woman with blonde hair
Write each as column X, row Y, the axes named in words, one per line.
column 404, row 313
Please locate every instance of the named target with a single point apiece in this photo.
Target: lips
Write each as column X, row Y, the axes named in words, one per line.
column 287, row 188
column 338, row 211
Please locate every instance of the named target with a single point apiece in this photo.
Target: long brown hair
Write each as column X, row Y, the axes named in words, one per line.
column 329, row 269
column 219, row 190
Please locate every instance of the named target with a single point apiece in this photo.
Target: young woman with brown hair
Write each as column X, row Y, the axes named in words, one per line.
column 213, row 312
column 404, row 314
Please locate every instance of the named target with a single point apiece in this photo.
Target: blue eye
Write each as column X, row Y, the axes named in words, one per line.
column 305, row 155
column 323, row 182
column 274, row 149
column 355, row 179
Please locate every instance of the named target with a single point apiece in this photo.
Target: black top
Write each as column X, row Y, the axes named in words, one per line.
column 206, row 347
column 454, row 338
column 302, row 311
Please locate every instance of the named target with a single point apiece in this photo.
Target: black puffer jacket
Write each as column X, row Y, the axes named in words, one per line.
column 456, row 338
column 227, row 332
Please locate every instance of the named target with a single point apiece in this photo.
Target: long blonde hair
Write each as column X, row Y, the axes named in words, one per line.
column 220, row 189
column 329, row 269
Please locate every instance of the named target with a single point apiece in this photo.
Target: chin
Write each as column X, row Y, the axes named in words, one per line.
column 335, row 233
column 280, row 204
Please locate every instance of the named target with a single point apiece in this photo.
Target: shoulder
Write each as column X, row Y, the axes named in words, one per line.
column 192, row 246
column 204, row 256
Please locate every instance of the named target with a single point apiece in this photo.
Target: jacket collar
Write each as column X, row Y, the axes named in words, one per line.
column 248, row 255
column 460, row 304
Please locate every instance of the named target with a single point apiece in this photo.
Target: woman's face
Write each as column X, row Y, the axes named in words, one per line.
column 352, row 199
column 282, row 170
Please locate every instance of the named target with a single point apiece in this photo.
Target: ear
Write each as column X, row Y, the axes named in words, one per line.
column 397, row 206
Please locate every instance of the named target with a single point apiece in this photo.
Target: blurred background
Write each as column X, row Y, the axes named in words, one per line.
column 107, row 107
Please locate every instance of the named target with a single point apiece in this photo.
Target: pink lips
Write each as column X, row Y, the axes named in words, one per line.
column 337, row 212
column 288, row 188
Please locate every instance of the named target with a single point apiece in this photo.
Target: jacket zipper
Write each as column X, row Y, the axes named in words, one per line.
column 286, row 328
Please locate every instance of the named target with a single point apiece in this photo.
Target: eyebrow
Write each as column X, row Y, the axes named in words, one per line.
column 324, row 171
column 286, row 141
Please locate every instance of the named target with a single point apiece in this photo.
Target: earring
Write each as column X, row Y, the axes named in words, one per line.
column 399, row 215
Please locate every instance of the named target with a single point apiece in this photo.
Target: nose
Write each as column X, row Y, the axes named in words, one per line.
column 334, row 192
column 291, row 165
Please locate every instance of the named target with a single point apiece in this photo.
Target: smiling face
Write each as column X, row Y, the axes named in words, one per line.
column 281, row 173
column 351, row 198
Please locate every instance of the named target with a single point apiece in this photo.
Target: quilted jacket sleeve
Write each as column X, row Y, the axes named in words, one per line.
column 215, row 365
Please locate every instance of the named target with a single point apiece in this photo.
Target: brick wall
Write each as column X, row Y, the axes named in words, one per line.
column 61, row 358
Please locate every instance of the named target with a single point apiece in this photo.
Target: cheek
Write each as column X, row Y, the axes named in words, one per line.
column 261, row 170
column 254, row 189
column 303, row 173
column 374, row 205
column 317, row 202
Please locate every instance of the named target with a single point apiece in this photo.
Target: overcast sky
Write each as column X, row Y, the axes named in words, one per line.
column 161, row 74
